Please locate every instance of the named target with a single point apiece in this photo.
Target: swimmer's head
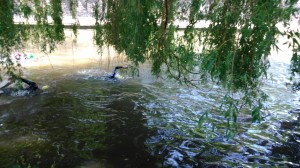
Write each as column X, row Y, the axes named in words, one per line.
column 46, row 87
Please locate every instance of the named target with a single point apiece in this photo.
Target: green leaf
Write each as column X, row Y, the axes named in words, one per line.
column 201, row 119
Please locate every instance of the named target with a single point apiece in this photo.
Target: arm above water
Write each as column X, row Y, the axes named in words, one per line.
column 28, row 82
column 115, row 71
column 32, row 85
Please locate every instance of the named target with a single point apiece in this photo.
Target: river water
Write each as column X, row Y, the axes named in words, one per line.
column 85, row 120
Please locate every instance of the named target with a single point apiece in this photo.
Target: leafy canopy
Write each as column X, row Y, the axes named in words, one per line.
column 232, row 50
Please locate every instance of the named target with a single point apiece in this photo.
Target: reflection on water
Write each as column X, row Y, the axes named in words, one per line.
column 85, row 120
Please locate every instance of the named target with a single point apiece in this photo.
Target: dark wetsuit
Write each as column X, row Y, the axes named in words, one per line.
column 113, row 76
column 32, row 86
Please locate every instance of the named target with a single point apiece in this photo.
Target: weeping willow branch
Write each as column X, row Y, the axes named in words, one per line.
column 232, row 50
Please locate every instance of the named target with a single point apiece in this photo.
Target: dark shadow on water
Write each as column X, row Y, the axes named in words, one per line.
column 291, row 147
column 78, row 124
column 126, row 136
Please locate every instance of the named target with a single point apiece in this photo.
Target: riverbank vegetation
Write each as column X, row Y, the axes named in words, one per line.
column 231, row 50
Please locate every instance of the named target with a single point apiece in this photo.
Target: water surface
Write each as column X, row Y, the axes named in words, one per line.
column 85, row 120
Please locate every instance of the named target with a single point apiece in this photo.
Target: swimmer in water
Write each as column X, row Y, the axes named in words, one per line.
column 31, row 88
column 113, row 76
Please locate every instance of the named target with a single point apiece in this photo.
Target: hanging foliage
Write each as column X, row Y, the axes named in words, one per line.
column 231, row 51
column 10, row 38
column 46, row 33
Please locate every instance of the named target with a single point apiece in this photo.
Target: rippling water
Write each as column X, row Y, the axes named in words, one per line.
column 84, row 120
